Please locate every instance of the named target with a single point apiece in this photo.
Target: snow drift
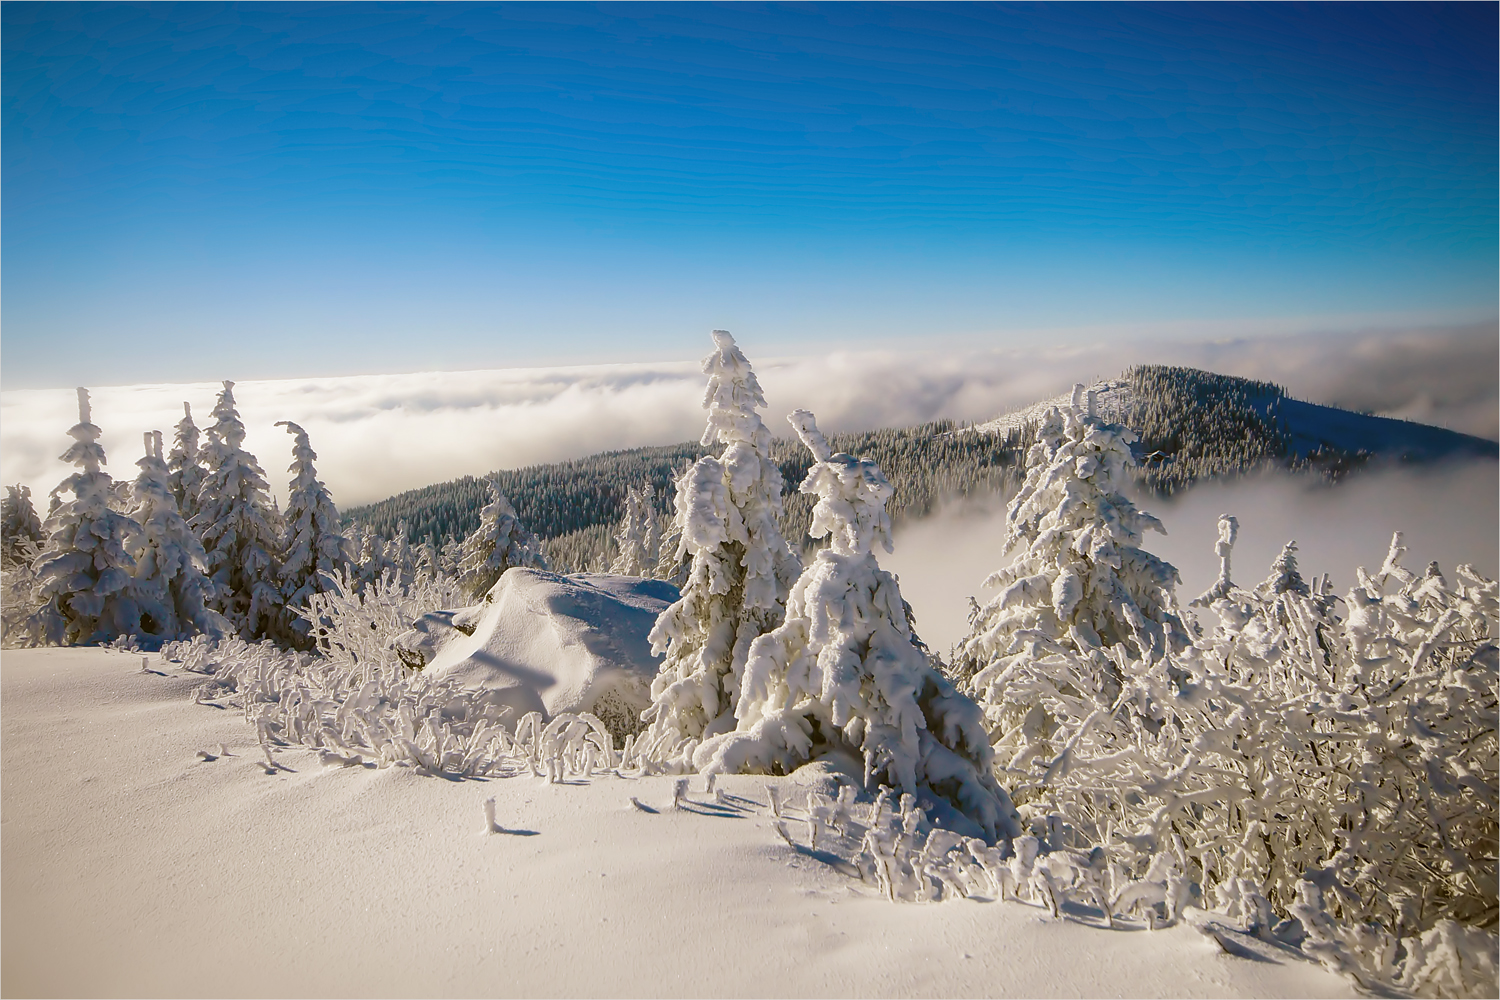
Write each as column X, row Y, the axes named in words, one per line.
column 550, row 643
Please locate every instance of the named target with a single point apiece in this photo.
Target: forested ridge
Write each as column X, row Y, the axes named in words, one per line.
column 1191, row 425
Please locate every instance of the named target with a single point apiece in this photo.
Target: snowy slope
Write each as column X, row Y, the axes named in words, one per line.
column 134, row 867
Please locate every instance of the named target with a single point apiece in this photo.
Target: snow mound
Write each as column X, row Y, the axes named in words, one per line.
column 551, row 643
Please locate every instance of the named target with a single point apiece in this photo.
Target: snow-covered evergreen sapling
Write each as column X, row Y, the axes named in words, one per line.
column 841, row 672
column 741, row 567
column 240, row 528
column 314, row 551
column 499, row 543
column 20, row 529
column 84, row 573
column 169, row 560
column 632, row 557
column 1080, row 599
column 186, row 465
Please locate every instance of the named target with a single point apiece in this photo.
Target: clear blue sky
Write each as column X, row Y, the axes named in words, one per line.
column 221, row 191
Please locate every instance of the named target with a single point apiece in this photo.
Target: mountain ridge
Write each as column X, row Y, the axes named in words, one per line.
column 1191, row 424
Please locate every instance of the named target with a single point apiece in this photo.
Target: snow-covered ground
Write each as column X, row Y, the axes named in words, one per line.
column 133, row 866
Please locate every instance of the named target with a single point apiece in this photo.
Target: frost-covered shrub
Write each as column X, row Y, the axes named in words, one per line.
column 741, row 567
column 84, row 575
column 499, row 543
column 240, row 529
column 842, row 673
column 1341, row 771
column 169, row 560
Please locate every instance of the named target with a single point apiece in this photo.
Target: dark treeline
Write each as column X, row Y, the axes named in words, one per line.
column 573, row 506
column 1197, row 425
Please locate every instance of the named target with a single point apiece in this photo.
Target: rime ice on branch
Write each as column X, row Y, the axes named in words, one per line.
column 741, row 569
column 842, row 673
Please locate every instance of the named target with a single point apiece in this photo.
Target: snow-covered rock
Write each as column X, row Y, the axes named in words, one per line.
column 551, row 643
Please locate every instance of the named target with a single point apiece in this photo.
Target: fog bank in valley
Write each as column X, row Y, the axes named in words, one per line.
column 1447, row 514
column 377, row 435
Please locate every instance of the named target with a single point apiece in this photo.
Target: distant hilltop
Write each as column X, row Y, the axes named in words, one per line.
column 1197, row 425
column 1192, row 425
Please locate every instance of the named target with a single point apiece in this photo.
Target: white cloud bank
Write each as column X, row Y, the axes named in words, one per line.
column 379, row 434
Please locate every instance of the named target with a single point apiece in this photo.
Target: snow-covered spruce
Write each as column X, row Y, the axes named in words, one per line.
column 741, row 570
column 1081, row 600
column 240, row 528
column 185, row 463
column 636, row 540
column 169, row 559
column 85, row 581
column 22, row 541
column 21, row 534
column 499, row 543
column 841, row 672
column 314, row 551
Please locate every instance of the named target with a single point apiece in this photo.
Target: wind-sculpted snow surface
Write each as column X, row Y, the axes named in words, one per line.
column 842, row 672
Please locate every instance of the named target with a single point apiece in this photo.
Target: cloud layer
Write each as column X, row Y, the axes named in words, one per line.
column 1449, row 515
column 379, row 434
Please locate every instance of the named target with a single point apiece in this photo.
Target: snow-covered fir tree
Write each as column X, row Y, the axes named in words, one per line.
column 499, row 543
column 631, row 557
column 313, row 551
column 240, row 528
column 652, row 540
column 842, row 671
column 186, row 465
column 169, row 559
column 1080, row 598
column 85, row 572
column 20, row 529
column 741, row 570
column 402, row 557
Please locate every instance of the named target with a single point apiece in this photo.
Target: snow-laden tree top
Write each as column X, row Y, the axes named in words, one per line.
column 1081, row 577
column 742, row 567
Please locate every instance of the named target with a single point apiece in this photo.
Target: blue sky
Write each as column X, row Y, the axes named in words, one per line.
column 209, row 191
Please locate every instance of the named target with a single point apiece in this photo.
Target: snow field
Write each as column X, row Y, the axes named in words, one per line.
column 135, row 867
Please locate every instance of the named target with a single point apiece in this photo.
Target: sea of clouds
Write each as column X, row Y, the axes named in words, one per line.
column 1450, row 514
column 377, row 435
